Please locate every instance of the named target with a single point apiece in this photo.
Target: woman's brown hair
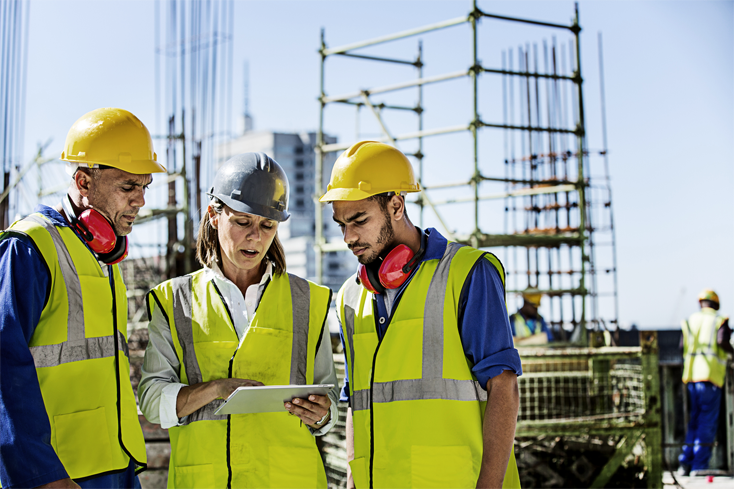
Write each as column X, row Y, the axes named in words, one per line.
column 207, row 243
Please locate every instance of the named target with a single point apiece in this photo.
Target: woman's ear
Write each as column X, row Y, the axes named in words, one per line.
column 213, row 217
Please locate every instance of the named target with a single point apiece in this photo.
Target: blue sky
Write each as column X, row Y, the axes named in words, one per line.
column 669, row 72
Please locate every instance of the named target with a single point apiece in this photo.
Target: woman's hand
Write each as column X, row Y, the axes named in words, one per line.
column 225, row 387
column 193, row 397
column 311, row 411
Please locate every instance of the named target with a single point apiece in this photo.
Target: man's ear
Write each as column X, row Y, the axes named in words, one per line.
column 83, row 182
column 396, row 207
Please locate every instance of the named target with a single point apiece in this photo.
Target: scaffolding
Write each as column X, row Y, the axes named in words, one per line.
column 555, row 220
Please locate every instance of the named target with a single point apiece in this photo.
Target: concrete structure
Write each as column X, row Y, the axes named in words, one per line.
column 295, row 153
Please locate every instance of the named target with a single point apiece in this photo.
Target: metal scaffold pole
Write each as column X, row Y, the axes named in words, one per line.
column 318, row 187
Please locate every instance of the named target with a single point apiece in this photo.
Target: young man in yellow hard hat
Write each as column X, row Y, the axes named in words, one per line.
column 528, row 326
column 706, row 345
column 431, row 368
column 68, row 416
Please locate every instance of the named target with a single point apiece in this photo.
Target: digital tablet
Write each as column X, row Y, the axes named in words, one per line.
column 268, row 398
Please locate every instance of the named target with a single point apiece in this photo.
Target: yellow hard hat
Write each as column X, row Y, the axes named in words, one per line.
column 532, row 295
column 111, row 137
column 708, row 295
column 369, row 168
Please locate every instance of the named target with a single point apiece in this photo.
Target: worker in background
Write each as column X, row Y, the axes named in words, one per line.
column 706, row 344
column 431, row 369
column 67, row 410
column 528, row 326
column 240, row 321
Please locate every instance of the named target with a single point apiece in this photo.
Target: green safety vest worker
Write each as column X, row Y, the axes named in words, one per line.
column 417, row 409
column 521, row 327
column 80, row 351
column 703, row 360
column 279, row 348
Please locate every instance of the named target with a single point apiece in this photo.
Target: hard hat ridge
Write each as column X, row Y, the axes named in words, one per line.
column 111, row 137
column 708, row 295
column 253, row 183
column 369, row 168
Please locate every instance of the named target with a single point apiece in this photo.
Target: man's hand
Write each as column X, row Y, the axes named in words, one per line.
column 61, row 484
column 312, row 410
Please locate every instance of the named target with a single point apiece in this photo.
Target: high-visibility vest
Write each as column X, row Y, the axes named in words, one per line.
column 279, row 348
column 703, row 360
column 417, row 409
column 80, row 351
column 522, row 330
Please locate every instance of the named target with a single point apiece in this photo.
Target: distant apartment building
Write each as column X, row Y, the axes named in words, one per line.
column 295, row 153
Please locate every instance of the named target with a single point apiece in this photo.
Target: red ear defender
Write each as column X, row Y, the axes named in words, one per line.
column 365, row 279
column 393, row 272
column 394, row 269
column 97, row 231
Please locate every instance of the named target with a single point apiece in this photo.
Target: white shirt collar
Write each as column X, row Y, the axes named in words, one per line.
column 220, row 275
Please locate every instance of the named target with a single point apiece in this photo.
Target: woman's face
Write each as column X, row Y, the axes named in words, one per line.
column 244, row 239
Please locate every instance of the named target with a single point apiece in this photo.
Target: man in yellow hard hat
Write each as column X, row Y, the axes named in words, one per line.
column 68, row 416
column 706, row 346
column 431, row 368
column 528, row 326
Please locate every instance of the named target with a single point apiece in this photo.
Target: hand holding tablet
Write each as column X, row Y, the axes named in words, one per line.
column 268, row 398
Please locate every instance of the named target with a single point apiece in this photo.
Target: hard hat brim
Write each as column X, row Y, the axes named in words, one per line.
column 346, row 194
column 139, row 167
column 254, row 209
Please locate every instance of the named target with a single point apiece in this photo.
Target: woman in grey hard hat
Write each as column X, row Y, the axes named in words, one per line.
column 240, row 321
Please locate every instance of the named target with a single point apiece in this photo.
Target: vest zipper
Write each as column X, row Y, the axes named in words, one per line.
column 229, row 375
column 374, row 364
column 142, row 466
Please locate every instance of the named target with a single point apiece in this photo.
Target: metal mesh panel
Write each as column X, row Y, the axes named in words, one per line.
column 560, row 390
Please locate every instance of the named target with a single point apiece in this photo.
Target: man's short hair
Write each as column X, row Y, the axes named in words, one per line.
column 384, row 199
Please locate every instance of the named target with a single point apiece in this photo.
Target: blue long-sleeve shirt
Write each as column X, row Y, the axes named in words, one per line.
column 482, row 316
column 27, row 458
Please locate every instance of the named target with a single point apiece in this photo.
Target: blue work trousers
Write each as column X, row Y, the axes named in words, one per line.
column 704, row 419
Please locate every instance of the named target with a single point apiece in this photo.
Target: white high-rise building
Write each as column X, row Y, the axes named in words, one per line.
column 295, row 154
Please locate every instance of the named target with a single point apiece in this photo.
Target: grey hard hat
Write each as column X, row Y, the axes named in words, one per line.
column 253, row 183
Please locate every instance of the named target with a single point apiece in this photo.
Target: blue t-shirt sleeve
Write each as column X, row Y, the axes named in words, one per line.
column 27, row 458
column 484, row 325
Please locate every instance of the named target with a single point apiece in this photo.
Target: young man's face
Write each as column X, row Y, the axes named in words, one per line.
column 366, row 227
column 118, row 195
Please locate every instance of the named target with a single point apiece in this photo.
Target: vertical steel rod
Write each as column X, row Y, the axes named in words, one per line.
column 319, row 238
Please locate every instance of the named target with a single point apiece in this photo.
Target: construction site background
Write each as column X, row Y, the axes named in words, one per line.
column 603, row 406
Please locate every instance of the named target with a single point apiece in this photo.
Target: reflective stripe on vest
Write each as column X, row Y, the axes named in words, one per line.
column 244, row 450
column 417, row 411
column 94, row 421
column 432, row 385
column 76, row 348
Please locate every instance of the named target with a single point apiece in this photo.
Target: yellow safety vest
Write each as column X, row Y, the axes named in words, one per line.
column 417, row 409
column 521, row 326
column 279, row 348
column 80, row 351
column 703, row 360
